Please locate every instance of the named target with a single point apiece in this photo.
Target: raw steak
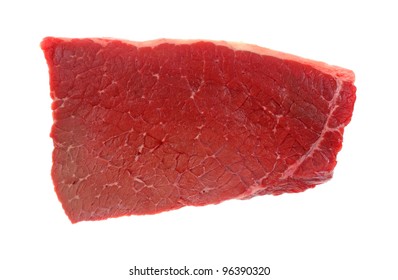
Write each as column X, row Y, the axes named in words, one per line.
column 145, row 127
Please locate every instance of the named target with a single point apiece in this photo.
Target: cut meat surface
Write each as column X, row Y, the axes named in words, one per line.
column 145, row 127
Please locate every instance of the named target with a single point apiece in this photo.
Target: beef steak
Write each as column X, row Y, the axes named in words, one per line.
column 145, row 127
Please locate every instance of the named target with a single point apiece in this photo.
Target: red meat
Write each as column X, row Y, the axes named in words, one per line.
column 145, row 127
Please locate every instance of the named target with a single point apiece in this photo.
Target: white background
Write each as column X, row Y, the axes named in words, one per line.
column 344, row 229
